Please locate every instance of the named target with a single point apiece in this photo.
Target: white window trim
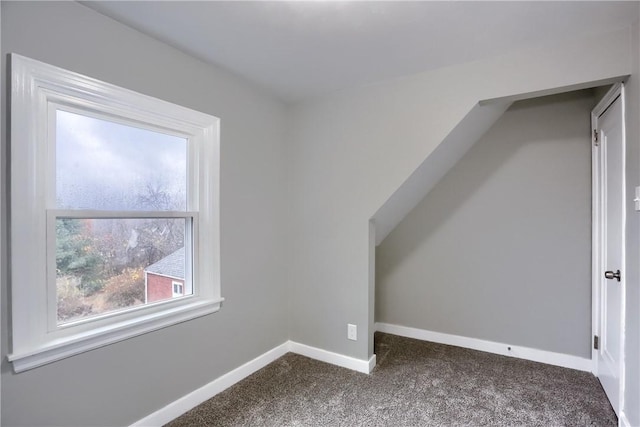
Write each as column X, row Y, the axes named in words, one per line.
column 35, row 88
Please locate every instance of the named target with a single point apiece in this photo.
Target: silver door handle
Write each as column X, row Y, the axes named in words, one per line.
column 612, row 275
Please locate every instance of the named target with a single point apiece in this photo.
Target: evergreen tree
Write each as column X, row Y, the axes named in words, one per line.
column 77, row 256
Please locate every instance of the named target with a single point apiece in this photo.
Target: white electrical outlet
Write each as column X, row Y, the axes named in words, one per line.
column 352, row 332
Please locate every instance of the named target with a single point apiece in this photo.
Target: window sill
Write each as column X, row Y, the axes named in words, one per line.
column 96, row 338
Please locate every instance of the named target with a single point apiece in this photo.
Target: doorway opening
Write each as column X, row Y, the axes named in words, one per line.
column 608, row 253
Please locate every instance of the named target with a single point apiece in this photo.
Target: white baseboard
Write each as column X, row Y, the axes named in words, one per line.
column 542, row 356
column 623, row 421
column 364, row 366
column 193, row 399
column 174, row 409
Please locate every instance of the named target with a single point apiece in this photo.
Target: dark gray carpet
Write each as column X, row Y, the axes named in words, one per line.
column 415, row 383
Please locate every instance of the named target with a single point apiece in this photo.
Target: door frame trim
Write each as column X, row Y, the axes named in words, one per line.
column 597, row 248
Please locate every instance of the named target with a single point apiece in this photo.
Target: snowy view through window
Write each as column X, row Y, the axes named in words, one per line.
column 108, row 264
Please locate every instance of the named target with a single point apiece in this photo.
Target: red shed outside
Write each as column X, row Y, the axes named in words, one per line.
column 165, row 278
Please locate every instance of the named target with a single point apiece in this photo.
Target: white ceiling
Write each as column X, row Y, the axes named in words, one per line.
column 303, row 49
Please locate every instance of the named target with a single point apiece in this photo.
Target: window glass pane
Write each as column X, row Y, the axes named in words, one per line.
column 108, row 166
column 104, row 265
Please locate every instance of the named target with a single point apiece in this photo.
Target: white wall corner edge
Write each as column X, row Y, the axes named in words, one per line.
column 534, row 355
column 189, row 401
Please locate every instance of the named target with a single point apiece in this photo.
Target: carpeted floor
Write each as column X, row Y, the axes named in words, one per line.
column 415, row 383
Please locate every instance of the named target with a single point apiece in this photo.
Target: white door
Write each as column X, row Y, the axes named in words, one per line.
column 609, row 156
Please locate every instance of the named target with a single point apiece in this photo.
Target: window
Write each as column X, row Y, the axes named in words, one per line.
column 114, row 194
column 178, row 289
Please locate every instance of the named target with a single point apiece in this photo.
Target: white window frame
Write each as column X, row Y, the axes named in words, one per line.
column 37, row 91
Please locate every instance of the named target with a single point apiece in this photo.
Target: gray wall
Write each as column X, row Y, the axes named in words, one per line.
column 347, row 154
column 500, row 249
column 123, row 382
column 350, row 151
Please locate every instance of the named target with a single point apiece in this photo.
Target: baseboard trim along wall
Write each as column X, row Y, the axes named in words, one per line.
column 174, row 409
column 364, row 366
column 542, row 356
column 623, row 421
